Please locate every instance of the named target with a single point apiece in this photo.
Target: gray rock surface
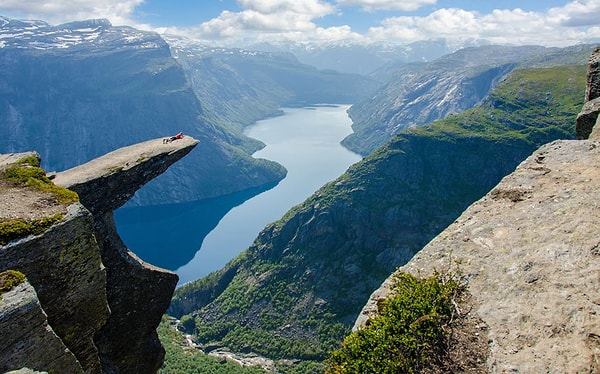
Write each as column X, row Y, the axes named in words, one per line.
column 101, row 300
column 587, row 118
column 106, row 183
column 64, row 266
column 531, row 252
column 23, row 320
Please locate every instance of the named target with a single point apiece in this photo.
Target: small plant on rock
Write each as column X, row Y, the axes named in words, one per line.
column 409, row 333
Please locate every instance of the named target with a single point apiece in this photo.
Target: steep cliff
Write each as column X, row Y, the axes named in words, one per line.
column 102, row 302
column 23, row 320
column 76, row 91
column 588, row 117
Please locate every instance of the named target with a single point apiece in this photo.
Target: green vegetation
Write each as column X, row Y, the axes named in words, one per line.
column 184, row 360
column 530, row 105
column 17, row 228
column 267, row 334
column 409, row 332
column 10, row 279
column 27, row 172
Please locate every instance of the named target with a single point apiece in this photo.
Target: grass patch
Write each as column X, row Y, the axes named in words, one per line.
column 409, row 333
column 28, row 173
column 10, row 279
column 11, row 229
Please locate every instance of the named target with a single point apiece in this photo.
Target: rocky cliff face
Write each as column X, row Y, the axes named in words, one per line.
column 23, row 320
column 102, row 303
column 588, row 118
column 530, row 252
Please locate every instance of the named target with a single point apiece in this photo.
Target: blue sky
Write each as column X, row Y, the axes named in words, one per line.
column 240, row 22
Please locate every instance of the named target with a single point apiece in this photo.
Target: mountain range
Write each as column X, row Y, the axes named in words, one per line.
column 417, row 93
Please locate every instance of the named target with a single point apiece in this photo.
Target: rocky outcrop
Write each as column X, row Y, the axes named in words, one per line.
column 65, row 268
column 106, row 183
column 588, row 118
column 138, row 293
column 101, row 300
column 530, row 251
column 24, row 320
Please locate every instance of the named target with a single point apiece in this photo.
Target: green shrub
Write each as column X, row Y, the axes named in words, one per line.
column 407, row 335
column 17, row 228
column 10, row 279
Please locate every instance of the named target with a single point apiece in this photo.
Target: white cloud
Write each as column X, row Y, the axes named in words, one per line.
column 313, row 8
column 561, row 26
column 267, row 20
column 577, row 13
column 262, row 20
column 60, row 11
column 371, row 5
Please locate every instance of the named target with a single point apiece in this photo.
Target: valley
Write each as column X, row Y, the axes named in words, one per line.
column 311, row 217
column 306, row 141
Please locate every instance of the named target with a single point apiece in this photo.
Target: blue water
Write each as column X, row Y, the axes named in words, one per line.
column 197, row 238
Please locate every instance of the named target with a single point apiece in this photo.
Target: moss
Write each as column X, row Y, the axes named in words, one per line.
column 11, row 229
column 27, row 173
column 10, row 279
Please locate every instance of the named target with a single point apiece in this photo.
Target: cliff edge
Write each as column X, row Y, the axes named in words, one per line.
column 530, row 251
column 100, row 302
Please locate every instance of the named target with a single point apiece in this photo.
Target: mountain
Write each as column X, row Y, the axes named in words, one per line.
column 419, row 93
column 79, row 90
column 355, row 58
column 298, row 289
column 239, row 86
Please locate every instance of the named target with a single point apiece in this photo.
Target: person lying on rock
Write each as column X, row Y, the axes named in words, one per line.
column 175, row 137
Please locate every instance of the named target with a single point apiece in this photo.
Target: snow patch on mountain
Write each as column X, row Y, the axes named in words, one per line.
column 43, row 36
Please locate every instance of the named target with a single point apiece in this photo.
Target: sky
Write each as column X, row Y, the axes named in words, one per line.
column 243, row 22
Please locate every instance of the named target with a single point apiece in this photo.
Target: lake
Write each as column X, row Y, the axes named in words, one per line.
column 196, row 238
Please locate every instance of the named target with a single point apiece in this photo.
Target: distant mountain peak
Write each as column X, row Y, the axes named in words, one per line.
column 41, row 35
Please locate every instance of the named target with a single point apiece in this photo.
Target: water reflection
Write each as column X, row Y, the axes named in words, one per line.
column 169, row 235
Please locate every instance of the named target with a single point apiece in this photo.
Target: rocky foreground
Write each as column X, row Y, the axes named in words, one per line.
column 530, row 253
column 89, row 305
